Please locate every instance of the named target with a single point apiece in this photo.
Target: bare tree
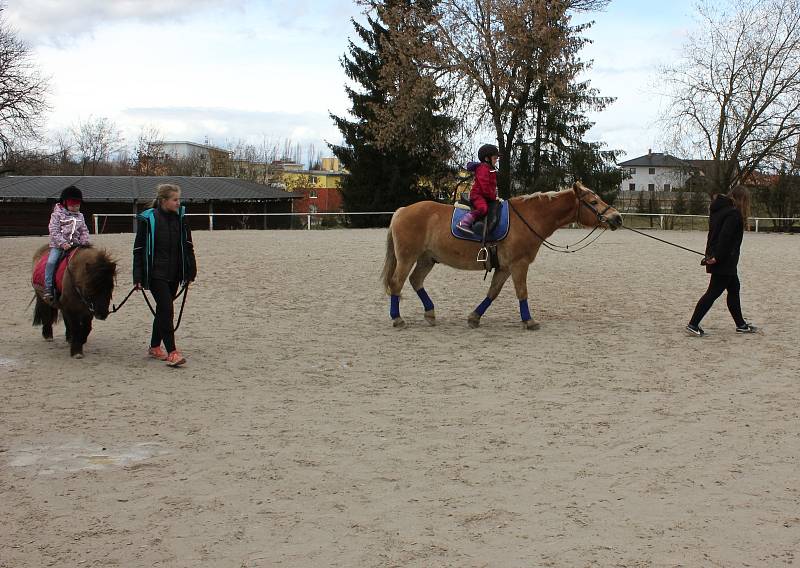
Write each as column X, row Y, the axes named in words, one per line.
column 95, row 140
column 735, row 93
column 497, row 59
column 149, row 158
column 23, row 90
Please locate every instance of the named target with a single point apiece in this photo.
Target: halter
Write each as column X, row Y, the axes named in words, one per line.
column 566, row 248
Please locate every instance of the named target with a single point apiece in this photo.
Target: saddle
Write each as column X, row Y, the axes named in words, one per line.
column 37, row 280
column 488, row 231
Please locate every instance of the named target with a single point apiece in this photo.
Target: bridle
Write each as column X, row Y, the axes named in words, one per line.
column 600, row 215
column 88, row 303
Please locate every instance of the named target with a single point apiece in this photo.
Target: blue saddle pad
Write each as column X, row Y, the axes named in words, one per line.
column 497, row 234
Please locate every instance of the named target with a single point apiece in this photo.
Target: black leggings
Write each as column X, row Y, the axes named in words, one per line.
column 164, row 294
column 718, row 284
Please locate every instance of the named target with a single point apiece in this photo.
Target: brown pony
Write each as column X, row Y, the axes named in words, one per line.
column 420, row 235
column 87, row 288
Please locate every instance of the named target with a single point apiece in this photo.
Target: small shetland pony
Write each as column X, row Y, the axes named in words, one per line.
column 419, row 237
column 86, row 292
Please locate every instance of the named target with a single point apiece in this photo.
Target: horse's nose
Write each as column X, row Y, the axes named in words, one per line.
column 616, row 221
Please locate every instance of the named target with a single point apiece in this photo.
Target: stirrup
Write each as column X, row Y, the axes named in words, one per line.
column 483, row 255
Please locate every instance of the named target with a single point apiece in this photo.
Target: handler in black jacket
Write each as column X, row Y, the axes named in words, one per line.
column 163, row 259
column 725, row 232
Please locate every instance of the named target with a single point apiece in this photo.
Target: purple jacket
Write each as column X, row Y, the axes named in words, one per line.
column 67, row 227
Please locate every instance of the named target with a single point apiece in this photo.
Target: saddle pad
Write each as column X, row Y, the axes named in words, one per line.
column 38, row 270
column 497, row 234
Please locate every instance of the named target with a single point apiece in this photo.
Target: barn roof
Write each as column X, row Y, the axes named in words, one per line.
column 138, row 188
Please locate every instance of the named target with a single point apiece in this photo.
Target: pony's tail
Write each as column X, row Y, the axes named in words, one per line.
column 390, row 263
column 42, row 313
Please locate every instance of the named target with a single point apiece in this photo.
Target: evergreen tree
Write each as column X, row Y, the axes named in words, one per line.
column 387, row 172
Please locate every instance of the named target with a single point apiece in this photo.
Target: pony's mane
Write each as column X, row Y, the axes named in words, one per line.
column 103, row 272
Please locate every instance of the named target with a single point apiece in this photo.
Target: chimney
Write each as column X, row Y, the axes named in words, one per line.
column 649, row 151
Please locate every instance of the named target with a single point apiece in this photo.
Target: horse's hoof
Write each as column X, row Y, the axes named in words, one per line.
column 48, row 339
column 474, row 320
column 430, row 317
column 399, row 323
column 78, row 356
column 530, row 325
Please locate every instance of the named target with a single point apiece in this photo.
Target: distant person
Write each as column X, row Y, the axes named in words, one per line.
column 67, row 230
column 725, row 231
column 484, row 188
column 163, row 260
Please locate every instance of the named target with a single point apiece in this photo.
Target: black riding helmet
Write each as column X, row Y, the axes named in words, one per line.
column 70, row 192
column 486, row 151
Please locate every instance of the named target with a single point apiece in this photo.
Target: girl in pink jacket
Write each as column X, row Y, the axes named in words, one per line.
column 484, row 188
column 67, row 229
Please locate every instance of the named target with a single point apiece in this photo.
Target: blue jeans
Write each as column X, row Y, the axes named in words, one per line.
column 50, row 268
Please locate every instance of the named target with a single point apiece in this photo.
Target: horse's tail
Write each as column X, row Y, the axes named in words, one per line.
column 390, row 262
column 42, row 312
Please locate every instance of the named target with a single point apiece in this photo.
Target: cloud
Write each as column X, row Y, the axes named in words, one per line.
column 221, row 126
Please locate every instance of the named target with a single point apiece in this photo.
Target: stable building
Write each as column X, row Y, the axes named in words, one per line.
column 27, row 201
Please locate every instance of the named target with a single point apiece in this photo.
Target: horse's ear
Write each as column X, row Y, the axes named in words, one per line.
column 578, row 188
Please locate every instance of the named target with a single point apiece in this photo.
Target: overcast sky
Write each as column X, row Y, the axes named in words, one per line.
column 245, row 69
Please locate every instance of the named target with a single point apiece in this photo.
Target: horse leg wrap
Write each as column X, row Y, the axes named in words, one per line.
column 426, row 300
column 394, row 307
column 524, row 312
column 481, row 309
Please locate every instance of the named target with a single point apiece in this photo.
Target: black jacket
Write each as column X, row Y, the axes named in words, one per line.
column 163, row 248
column 725, row 232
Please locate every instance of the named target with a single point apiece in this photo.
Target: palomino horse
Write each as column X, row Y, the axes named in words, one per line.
column 420, row 234
column 86, row 292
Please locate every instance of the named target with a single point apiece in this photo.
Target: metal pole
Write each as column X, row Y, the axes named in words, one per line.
column 756, row 225
column 661, row 222
column 210, row 215
column 97, row 231
column 309, row 221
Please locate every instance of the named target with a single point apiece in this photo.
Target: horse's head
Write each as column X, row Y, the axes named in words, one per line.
column 98, row 283
column 593, row 211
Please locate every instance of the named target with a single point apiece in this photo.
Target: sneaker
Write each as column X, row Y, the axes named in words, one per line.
column 175, row 359
column 462, row 226
column 695, row 330
column 157, row 353
column 746, row 328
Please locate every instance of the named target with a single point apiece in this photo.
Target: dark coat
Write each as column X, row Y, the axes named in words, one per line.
column 163, row 248
column 725, row 232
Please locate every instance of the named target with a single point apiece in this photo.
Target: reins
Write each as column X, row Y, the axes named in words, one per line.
column 563, row 248
column 184, row 292
column 663, row 241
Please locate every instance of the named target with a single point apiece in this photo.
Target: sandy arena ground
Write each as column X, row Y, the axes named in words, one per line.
column 307, row 432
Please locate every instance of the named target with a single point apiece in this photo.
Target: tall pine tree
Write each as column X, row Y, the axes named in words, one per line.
column 390, row 169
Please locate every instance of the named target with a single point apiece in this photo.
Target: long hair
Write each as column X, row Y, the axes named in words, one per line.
column 741, row 200
column 165, row 191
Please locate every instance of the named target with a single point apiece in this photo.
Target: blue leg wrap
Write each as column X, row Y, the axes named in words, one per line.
column 426, row 300
column 394, row 308
column 483, row 306
column 524, row 312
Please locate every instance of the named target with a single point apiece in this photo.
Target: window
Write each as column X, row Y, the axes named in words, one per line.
column 313, row 180
column 652, row 171
column 651, row 187
column 312, row 194
column 667, row 187
column 632, row 171
column 632, row 186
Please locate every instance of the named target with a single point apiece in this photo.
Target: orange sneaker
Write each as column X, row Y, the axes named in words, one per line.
column 157, row 353
column 175, row 359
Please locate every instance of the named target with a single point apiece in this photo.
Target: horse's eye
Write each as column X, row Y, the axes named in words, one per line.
column 594, row 202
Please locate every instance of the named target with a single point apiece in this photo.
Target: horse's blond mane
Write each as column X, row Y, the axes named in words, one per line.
column 542, row 195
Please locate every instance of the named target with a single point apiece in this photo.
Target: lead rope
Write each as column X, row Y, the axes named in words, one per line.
column 184, row 291
column 663, row 241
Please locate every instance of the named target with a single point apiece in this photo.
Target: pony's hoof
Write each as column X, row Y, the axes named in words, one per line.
column 530, row 325
column 430, row 317
column 48, row 339
column 399, row 323
column 78, row 356
column 474, row 320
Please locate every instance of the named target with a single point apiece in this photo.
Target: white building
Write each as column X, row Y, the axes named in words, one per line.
column 656, row 172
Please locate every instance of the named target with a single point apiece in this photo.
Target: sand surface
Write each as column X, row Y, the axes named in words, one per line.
column 305, row 431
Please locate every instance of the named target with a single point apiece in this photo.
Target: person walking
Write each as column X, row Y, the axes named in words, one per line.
column 163, row 260
column 728, row 214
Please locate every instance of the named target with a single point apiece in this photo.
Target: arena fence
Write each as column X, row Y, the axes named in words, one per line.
column 661, row 221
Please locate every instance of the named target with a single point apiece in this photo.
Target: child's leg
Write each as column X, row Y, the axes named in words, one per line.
column 50, row 268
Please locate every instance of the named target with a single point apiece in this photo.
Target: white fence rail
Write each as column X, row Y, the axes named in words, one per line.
column 661, row 217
